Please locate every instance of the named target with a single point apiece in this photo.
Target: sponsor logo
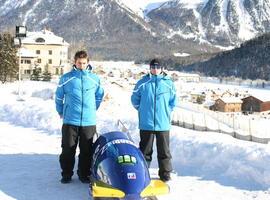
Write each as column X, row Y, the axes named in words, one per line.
column 131, row 175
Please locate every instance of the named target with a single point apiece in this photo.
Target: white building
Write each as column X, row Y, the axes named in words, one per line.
column 43, row 50
column 185, row 77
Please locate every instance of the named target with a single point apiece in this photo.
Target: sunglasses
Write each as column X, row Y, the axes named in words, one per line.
column 155, row 66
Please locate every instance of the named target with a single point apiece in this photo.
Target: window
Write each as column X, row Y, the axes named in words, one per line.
column 27, row 61
column 56, row 71
column 50, row 61
column 39, row 60
column 40, row 40
column 21, row 61
column 28, row 71
column 37, row 51
column 50, row 52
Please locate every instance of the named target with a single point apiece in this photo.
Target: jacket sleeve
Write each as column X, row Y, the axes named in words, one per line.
column 173, row 99
column 136, row 97
column 59, row 97
column 99, row 95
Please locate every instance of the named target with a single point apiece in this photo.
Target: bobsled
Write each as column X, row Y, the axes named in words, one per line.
column 119, row 170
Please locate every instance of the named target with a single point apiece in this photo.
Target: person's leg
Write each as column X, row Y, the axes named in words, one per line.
column 85, row 156
column 69, row 144
column 146, row 145
column 164, row 155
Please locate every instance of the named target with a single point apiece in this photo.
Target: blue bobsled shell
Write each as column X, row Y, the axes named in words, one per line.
column 119, row 163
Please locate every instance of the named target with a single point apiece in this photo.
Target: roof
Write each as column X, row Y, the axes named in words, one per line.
column 44, row 37
column 261, row 97
column 197, row 92
column 209, row 103
column 25, row 53
column 231, row 100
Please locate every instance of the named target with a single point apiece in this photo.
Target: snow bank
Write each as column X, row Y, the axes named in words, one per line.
column 208, row 155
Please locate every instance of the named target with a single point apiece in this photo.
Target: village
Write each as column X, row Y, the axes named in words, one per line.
column 46, row 52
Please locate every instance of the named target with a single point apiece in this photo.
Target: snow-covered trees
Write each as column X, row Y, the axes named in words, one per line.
column 8, row 64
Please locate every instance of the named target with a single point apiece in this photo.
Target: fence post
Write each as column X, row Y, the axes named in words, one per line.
column 217, row 119
column 218, row 123
column 179, row 122
column 249, row 128
column 205, row 125
column 192, row 121
column 234, row 132
column 183, row 120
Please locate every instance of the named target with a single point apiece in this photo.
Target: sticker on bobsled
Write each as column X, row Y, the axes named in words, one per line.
column 131, row 175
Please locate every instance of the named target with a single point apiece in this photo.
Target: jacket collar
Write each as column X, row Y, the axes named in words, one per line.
column 162, row 75
column 87, row 70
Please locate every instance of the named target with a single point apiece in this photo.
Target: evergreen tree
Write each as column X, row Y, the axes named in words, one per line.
column 35, row 76
column 46, row 76
column 8, row 58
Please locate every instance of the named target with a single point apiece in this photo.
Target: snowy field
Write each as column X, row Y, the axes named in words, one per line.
column 208, row 165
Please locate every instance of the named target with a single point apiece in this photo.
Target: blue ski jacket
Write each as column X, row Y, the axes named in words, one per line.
column 78, row 96
column 154, row 96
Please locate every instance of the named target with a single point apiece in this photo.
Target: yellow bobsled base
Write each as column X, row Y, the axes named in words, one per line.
column 156, row 187
column 100, row 189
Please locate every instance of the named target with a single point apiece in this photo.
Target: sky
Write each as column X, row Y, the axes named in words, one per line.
column 209, row 163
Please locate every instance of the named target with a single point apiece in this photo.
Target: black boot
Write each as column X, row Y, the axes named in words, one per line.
column 66, row 179
column 84, row 179
column 165, row 176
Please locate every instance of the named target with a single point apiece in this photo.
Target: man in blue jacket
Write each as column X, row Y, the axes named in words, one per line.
column 78, row 96
column 154, row 97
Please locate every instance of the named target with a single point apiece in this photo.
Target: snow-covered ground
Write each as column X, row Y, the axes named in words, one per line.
column 208, row 165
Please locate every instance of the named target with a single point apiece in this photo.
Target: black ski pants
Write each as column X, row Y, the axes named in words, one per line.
column 71, row 136
column 163, row 149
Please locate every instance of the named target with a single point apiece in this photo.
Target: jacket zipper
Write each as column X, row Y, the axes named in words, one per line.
column 155, row 103
column 82, row 99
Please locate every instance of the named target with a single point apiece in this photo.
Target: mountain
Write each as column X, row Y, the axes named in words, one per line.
column 141, row 7
column 122, row 29
column 109, row 29
column 250, row 61
column 219, row 22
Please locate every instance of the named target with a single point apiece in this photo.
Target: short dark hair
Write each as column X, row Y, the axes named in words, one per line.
column 81, row 54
